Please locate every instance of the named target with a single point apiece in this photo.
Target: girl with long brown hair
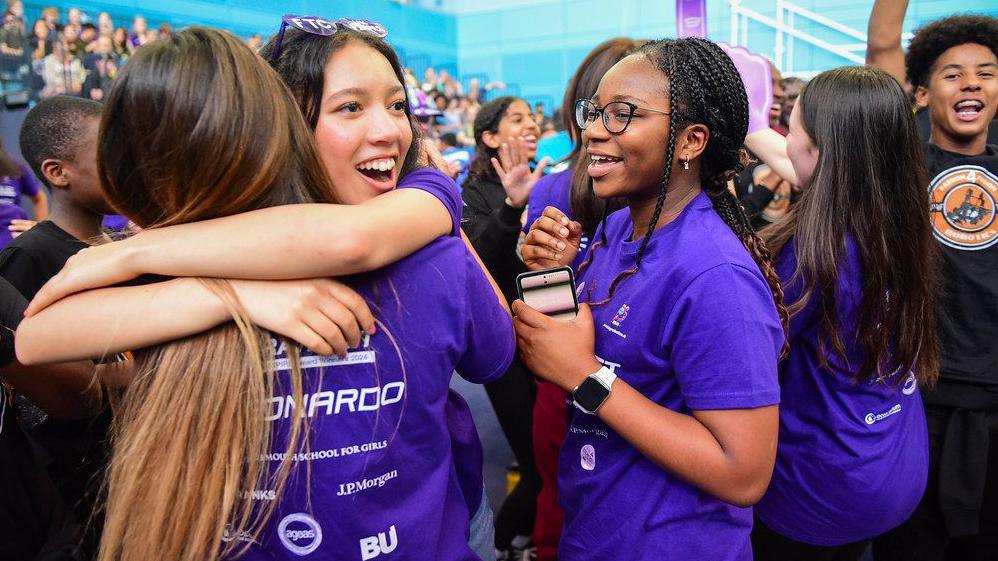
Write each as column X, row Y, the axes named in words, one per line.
column 858, row 266
column 359, row 476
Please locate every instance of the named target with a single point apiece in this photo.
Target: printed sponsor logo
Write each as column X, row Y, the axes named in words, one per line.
column 598, row 432
column 871, row 418
column 351, row 487
column 333, row 402
column 910, row 385
column 962, row 207
column 381, row 543
column 587, row 457
column 299, row 533
column 621, row 315
column 616, row 332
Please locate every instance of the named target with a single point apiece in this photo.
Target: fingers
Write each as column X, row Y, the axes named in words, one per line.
column 499, row 171
column 528, row 315
column 355, row 303
column 539, row 257
column 550, row 226
column 506, row 156
column 322, row 335
column 538, row 237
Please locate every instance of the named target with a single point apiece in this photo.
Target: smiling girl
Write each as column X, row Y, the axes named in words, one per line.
column 672, row 364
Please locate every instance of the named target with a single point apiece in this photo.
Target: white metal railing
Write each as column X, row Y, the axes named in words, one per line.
column 851, row 49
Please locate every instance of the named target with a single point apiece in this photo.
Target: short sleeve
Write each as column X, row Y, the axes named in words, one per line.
column 21, row 270
column 441, row 186
column 489, row 343
column 539, row 196
column 12, row 306
column 725, row 338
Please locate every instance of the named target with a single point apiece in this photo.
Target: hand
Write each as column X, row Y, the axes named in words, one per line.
column 96, row 94
column 18, row 226
column 561, row 352
column 324, row 315
column 553, row 241
column 429, row 157
column 758, row 79
column 514, row 172
column 94, row 267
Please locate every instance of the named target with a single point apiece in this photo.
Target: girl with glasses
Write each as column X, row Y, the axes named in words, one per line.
column 569, row 192
column 672, row 363
column 233, row 441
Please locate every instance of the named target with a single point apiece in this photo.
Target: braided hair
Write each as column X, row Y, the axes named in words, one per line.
column 487, row 120
column 704, row 87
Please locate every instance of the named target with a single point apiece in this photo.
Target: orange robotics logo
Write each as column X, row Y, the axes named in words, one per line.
column 962, row 203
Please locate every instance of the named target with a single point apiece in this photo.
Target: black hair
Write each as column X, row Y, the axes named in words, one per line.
column 934, row 38
column 53, row 130
column 704, row 87
column 487, row 120
column 302, row 65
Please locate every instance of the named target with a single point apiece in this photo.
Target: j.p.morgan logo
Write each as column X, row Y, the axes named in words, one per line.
column 300, row 533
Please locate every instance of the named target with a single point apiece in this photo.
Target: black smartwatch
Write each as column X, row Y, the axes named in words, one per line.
column 594, row 390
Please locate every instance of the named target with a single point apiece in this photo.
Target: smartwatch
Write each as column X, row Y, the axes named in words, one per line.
column 593, row 391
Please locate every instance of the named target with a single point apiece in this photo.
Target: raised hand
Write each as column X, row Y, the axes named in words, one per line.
column 513, row 168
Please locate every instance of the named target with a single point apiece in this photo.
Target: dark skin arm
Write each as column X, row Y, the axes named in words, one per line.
column 727, row 453
column 883, row 43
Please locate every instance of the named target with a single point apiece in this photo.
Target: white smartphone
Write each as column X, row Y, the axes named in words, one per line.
column 551, row 292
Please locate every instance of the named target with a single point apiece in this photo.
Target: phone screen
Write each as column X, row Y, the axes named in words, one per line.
column 550, row 292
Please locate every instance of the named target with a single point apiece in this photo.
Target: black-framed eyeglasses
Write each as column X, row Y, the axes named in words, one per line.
column 616, row 114
column 318, row 25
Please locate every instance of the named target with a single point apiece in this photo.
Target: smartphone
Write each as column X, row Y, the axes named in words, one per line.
column 551, row 292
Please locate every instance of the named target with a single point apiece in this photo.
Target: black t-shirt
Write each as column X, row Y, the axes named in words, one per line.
column 73, row 452
column 963, row 191
column 30, row 511
column 37, row 255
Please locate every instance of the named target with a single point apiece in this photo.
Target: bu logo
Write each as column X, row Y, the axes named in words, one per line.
column 373, row 546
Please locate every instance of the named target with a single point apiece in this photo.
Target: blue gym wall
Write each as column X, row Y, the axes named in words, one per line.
column 532, row 45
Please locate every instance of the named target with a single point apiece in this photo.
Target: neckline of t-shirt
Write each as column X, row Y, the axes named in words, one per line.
column 630, row 247
column 990, row 150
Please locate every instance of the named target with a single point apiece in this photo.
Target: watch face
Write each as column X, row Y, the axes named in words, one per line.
column 590, row 394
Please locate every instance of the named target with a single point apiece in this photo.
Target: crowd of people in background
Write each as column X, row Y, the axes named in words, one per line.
column 785, row 301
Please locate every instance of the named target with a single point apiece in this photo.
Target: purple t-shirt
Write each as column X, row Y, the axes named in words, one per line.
column 465, row 444
column 694, row 329
column 555, row 190
column 11, row 191
column 853, row 457
column 382, row 477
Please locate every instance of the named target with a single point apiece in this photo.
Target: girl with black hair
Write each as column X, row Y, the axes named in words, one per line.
column 495, row 194
column 675, row 388
column 857, row 263
column 569, row 192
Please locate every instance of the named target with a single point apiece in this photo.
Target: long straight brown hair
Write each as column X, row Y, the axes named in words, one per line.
column 869, row 183
column 196, row 127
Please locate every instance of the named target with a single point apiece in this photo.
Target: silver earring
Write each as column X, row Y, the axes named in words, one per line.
column 686, row 164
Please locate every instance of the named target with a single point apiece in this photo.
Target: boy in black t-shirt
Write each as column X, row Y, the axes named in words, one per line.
column 59, row 141
column 952, row 66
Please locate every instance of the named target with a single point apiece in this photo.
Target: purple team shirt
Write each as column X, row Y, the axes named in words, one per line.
column 853, row 457
column 11, row 191
column 694, row 329
column 382, row 477
column 465, row 444
column 555, row 190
